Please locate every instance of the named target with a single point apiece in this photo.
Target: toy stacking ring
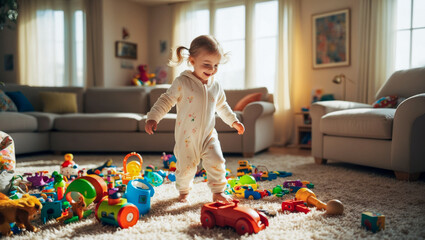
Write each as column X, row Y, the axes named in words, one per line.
column 133, row 166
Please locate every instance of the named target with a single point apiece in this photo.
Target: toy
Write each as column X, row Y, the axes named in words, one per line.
column 294, row 206
column 278, row 191
column 154, row 178
column 242, row 219
column 132, row 169
column 99, row 185
column 143, row 77
column 39, row 180
column 373, row 221
column 51, row 210
column 20, row 211
column 69, row 168
column 78, row 206
column 99, row 170
column 139, row 192
column 122, row 214
column 309, row 197
column 85, row 188
column 262, row 173
column 169, row 161
column 244, row 168
column 59, row 184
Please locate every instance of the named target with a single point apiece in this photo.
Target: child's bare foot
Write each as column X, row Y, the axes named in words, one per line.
column 221, row 197
column 183, row 197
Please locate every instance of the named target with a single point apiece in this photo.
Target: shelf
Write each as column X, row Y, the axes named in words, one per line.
column 304, row 131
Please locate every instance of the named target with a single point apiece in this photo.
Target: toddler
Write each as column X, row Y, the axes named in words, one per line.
column 198, row 97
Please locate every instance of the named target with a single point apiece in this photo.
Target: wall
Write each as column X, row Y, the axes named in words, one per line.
column 8, row 45
column 116, row 16
column 322, row 78
column 160, row 31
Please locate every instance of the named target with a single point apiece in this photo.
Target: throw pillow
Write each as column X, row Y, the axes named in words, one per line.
column 59, row 102
column 241, row 104
column 6, row 104
column 386, row 102
column 21, row 102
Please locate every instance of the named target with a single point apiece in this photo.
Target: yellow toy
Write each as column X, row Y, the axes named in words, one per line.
column 132, row 169
column 20, row 211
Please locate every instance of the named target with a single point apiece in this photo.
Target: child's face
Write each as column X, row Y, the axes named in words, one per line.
column 205, row 64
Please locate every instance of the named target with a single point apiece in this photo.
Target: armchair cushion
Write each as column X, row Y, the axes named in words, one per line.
column 359, row 122
column 241, row 104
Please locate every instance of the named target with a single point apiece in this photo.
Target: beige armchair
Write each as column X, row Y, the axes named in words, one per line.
column 387, row 138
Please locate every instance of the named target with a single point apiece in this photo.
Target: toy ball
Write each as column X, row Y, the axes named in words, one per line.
column 247, row 179
column 334, row 207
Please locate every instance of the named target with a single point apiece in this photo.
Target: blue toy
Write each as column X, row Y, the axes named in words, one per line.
column 154, row 178
column 139, row 193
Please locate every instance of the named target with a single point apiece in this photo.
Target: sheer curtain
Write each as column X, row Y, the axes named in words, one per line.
column 52, row 43
column 377, row 48
column 288, row 64
column 189, row 22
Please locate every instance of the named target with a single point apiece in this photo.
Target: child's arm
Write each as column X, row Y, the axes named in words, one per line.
column 162, row 106
column 225, row 112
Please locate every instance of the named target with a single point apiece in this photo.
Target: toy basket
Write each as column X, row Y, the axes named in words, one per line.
column 7, row 161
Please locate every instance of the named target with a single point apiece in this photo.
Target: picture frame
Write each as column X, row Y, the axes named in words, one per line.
column 331, row 39
column 125, row 50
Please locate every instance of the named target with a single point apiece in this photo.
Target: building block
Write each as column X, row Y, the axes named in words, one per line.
column 373, row 221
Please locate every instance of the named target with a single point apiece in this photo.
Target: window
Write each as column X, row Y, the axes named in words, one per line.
column 410, row 47
column 61, row 49
column 265, row 46
column 230, row 22
column 230, row 32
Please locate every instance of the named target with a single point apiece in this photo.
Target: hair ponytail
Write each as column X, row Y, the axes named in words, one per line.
column 179, row 56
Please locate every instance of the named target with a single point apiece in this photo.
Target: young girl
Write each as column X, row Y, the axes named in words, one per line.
column 198, row 97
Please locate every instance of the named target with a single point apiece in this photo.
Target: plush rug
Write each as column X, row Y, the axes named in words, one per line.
column 359, row 188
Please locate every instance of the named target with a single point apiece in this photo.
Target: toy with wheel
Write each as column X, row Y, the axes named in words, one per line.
column 123, row 214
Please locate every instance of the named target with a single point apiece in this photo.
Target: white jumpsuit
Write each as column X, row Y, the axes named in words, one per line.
column 195, row 135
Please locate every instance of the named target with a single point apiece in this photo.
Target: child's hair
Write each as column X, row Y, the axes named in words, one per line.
column 203, row 42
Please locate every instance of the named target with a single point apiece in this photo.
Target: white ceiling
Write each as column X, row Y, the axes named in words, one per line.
column 157, row 2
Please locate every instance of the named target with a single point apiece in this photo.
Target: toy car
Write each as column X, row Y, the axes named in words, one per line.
column 242, row 219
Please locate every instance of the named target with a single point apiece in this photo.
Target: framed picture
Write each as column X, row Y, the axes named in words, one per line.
column 125, row 50
column 331, row 39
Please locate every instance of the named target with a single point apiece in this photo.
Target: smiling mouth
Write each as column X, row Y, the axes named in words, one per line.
column 207, row 74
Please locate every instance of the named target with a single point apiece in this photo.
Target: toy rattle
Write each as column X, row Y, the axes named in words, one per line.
column 132, row 169
column 333, row 207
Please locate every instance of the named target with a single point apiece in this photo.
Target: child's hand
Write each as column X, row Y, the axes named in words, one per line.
column 239, row 126
column 150, row 126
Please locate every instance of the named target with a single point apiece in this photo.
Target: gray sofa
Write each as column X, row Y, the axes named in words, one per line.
column 113, row 119
column 388, row 138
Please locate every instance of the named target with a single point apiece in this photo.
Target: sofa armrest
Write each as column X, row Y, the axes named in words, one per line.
column 408, row 140
column 317, row 111
column 257, row 109
column 259, row 130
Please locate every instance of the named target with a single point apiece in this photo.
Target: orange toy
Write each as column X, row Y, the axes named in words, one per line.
column 333, row 207
column 132, row 169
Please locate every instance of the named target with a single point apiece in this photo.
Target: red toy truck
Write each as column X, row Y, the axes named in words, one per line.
column 243, row 219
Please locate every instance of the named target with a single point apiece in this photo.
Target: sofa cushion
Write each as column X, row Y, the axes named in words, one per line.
column 45, row 120
column 234, row 96
column 252, row 97
column 59, row 102
column 119, row 100
column 17, row 122
column 6, row 104
column 98, row 122
column 21, row 102
column 359, row 122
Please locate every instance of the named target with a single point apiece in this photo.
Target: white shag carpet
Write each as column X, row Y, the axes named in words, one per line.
column 359, row 188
